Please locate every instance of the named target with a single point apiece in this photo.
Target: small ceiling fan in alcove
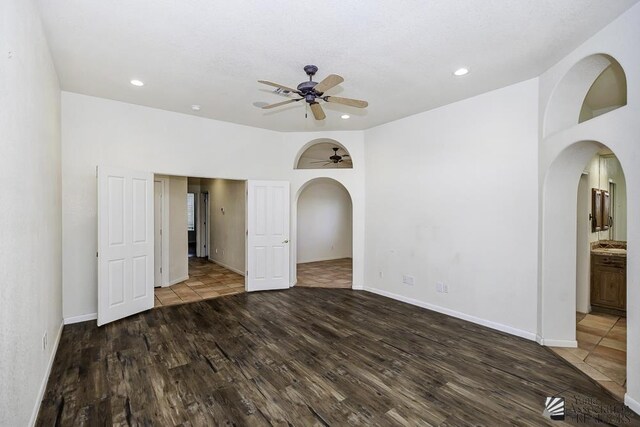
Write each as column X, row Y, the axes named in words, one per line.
column 336, row 160
column 313, row 92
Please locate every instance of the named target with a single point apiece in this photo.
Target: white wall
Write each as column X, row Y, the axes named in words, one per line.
column 583, row 254
column 30, row 212
column 451, row 198
column 178, row 239
column 103, row 132
column 324, row 222
column 227, row 229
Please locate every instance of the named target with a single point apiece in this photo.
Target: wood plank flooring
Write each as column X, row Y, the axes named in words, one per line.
column 309, row 357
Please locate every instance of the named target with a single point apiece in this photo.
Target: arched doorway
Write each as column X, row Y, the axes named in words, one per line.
column 600, row 273
column 324, row 246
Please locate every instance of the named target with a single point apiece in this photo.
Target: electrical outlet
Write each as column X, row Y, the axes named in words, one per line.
column 445, row 288
column 216, row 250
column 439, row 287
column 407, row 280
column 44, row 341
column 381, row 274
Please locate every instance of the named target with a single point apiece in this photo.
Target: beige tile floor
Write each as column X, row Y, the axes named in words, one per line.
column 336, row 273
column 602, row 350
column 206, row 280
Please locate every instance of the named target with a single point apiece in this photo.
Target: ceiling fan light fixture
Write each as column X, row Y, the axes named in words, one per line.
column 461, row 72
column 345, row 116
column 136, row 82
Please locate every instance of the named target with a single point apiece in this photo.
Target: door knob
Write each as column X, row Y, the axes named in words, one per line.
column 286, row 241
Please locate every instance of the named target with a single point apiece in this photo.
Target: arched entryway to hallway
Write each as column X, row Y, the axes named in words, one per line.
column 584, row 262
column 324, row 240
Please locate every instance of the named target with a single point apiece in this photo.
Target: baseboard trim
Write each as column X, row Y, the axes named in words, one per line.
column 45, row 380
column 228, row 267
column 357, row 287
column 558, row 343
column 477, row 320
column 331, row 258
column 176, row 281
column 81, row 318
column 633, row 404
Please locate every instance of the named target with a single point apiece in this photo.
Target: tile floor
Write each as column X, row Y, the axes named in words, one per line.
column 336, row 273
column 601, row 351
column 206, row 280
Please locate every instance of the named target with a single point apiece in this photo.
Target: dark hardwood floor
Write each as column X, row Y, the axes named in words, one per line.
column 309, row 357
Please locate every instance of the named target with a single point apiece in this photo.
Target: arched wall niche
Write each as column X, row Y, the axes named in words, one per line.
column 320, row 149
column 595, row 85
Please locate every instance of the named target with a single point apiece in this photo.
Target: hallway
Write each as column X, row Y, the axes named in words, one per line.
column 206, row 280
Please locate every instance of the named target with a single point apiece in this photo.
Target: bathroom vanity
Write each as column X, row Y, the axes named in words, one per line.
column 609, row 276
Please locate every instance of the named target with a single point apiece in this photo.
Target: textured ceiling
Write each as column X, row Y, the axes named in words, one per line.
column 398, row 55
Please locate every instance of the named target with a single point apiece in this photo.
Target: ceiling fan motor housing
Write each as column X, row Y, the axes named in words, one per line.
column 310, row 70
column 306, row 86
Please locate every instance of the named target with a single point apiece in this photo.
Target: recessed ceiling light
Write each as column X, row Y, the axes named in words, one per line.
column 460, row 72
column 137, row 83
column 345, row 116
column 195, row 107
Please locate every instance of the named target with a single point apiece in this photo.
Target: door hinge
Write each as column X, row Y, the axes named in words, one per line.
column 160, row 269
column 247, row 232
column 97, row 255
column 161, row 231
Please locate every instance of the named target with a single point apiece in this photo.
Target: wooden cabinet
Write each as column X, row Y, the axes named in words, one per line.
column 609, row 281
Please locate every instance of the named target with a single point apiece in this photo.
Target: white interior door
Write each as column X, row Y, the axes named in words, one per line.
column 125, row 243
column 267, row 235
column 158, row 191
column 203, row 225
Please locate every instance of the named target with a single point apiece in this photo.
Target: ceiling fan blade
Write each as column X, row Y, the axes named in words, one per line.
column 347, row 101
column 277, row 104
column 317, row 111
column 264, row 82
column 330, row 81
column 320, row 161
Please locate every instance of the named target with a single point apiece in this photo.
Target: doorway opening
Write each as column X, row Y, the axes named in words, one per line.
column 601, row 271
column 199, row 238
column 324, row 235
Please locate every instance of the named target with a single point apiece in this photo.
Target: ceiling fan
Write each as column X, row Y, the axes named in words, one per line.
column 335, row 158
column 312, row 92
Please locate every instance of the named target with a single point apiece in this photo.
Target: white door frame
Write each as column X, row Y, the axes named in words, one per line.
column 165, row 228
column 202, row 229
